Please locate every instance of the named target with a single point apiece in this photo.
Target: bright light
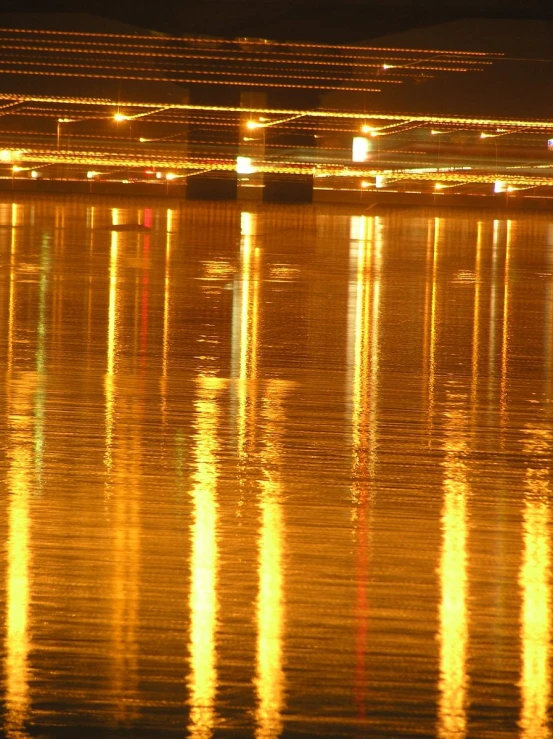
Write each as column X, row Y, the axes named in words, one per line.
column 244, row 165
column 550, row 143
column 360, row 149
column 375, row 133
column 438, row 186
column 15, row 168
column 34, row 174
column 364, row 183
column 159, row 175
column 380, row 181
column 91, row 173
column 142, row 140
column 65, row 120
column 253, row 124
column 366, row 129
column 387, row 66
column 499, row 186
column 486, row 135
column 120, row 117
column 170, row 176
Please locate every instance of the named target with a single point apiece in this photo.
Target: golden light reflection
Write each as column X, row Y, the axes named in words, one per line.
column 202, row 680
column 493, row 310
column 506, row 331
column 433, row 329
column 363, row 343
column 548, row 319
column 125, row 501
column 476, row 318
column 111, row 349
column 270, row 609
column 453, row 612
column 16, row 218
column 535, row 584
column 245, row 325
column 17, row 644
column 40, row 361
column 166, row 309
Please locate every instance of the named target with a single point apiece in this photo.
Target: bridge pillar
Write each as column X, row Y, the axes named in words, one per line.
column 288, row 188
column 211, row 185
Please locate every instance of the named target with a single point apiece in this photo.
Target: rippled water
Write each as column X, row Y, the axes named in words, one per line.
column 274, row 471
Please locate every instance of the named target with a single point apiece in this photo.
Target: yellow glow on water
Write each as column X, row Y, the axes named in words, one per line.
column 453, row 613
column 493, row 309
column 360, row 339
column 202, row 680
column 117, row 216
column 269, row 679
column 111, row 347
column 17, row 643
column 505, row 337
column 363, row 335
column 363, row 361
column 476, row 317
column 11, row 299
column 245, row 329
column 535, row 584
column 125, row 597
column 167, row 290
column 433, row 330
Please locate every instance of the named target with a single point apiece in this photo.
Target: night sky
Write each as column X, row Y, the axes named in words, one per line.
column 317, row 20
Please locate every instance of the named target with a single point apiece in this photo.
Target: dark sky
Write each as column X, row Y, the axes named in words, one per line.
column 317, row 20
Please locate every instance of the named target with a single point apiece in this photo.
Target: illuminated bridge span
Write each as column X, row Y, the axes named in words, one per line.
column 251, row 118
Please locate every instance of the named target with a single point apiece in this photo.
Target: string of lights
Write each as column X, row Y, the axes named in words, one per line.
column 336, row 143
column 230, row 43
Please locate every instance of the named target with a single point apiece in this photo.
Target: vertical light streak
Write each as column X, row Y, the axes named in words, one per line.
column 427, row 300
column 374, row 352
column 15, row 219
column 493, row 307
column 362, row 230
column 90, row 220
column 363, row 351
column 245, row 329
column 126, row 557
column 167, row 291
column 166, row 310
column 548, row 319
column 270, row 607
column 117, row 216
column 505, row 336
column 535, row 585
column 453, row 613
column 433, row 324
column 111, row 349
column 17, row 644
column 476, row 319
column 40, row 395
column 202, row 681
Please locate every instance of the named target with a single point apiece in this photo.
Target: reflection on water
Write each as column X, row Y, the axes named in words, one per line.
column 362, row 383
column 203, row 564
column 453, row 634
column 18, row 553
column 269, row 678
column 535, row 583
column 274, row 471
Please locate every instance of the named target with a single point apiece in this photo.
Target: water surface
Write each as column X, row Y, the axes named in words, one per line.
column 274, row 471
